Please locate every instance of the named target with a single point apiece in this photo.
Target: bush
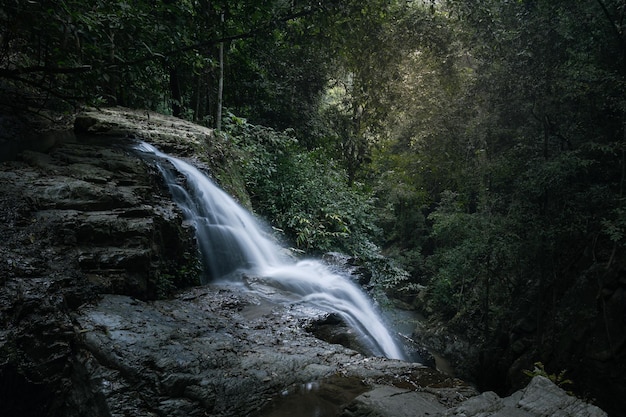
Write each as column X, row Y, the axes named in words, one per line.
column 474, row 268
column 303, row 193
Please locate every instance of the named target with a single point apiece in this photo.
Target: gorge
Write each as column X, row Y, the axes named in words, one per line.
column 92, row 237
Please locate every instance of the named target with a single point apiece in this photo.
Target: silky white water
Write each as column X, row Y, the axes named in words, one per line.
column 231, row 240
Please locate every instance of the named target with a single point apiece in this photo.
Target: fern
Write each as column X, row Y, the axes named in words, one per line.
column 558, row 379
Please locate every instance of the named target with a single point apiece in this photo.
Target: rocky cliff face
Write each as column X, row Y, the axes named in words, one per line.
column 93, row 211
column 100, row 313
column 77, row 221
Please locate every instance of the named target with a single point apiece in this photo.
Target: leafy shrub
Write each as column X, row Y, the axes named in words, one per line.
column 474, row 268
column 303, row 193
column 558, row 379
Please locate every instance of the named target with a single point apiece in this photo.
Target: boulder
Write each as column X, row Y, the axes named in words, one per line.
column 540, row 398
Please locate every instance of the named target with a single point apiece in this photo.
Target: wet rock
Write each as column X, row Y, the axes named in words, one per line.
column 180, row 138
column 322, row 398
column 170, row 134
column 75, row 213
column 77, row 221
column 384, row 401
column 540, row 398
column 331, row 328
column 458, row 351
column 212, row 346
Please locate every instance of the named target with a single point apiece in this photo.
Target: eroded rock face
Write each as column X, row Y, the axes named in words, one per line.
column 76, row 222
column 93, row 211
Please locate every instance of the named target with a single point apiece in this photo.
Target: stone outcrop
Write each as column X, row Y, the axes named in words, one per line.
column 169, row 134
column 540, row 398
column 95, row 211
column 100, row 313
column 76, row 221
column 225, row 351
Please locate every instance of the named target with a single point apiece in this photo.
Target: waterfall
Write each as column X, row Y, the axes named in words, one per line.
column 231, row 240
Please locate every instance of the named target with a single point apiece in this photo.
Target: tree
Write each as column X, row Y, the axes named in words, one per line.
column 374, row 47
column 537, row 211
column 159, row 55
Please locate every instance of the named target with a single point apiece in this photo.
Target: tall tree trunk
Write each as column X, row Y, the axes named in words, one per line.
column 196, row 109
column 220, row 85
column 175, row 91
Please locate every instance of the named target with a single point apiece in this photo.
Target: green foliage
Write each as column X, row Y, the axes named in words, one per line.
column 615, row 228
column 481, row 144
column 270, row 81
column 558, row 379
column 400, row 215
column 78, row 51
column 309, row 199
column 303, row 193
column 164, row 284
column 164, row 55
column 388, row 276
column 175, row 275
column 474, row 267
column 376, row 42
column 499, row 161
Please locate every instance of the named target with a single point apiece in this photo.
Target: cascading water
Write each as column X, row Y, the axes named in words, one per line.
column 231, row 240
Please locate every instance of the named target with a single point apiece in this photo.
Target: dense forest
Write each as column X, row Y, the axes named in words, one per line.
column 479, row 146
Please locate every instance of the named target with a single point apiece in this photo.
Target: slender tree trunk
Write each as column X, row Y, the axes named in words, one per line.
column 220, row 85
column 175, row 90
column 196, row 111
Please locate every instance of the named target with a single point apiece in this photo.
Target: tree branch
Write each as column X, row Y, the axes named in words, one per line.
column 216, row 41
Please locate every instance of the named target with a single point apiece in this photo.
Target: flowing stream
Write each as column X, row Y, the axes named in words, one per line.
column 231, row 241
